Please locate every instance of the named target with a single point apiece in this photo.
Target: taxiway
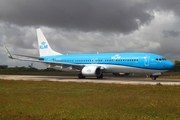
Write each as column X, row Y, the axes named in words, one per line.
column 110, row 80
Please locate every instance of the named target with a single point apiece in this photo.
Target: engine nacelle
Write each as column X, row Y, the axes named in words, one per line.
column 91, row 71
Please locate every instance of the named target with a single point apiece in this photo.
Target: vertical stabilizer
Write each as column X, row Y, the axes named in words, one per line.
column 44, row 47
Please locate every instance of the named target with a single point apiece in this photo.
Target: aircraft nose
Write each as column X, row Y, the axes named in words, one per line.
column 169, row 65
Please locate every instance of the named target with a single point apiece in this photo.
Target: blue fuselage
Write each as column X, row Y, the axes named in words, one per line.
column 117, row 62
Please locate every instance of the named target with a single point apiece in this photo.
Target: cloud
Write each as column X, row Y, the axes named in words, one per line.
column 172, row 33
column 123, row 16
column 84, row 15
column 17, row 36
column 166, row 5
column 148, row 38
column 90, row 26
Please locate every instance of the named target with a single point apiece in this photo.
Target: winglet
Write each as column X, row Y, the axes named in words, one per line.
column 8, row 53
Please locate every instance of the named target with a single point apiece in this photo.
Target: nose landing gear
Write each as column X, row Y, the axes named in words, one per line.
column 153, row 77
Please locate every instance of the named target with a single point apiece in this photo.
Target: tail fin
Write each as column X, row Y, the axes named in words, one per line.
column 44, row 47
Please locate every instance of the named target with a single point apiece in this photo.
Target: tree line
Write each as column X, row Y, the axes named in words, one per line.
column 177, row 63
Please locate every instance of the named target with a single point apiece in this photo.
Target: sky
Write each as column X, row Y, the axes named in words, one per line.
column 90, row 26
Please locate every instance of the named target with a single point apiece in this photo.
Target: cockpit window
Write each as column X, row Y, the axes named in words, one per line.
column 159, row 59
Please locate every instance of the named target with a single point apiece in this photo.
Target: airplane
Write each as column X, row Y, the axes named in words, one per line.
column 97, row 64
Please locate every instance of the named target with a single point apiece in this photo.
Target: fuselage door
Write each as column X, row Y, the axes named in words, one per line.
column 146, row 60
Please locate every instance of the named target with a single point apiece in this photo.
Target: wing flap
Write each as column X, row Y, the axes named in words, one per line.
column 34, row 57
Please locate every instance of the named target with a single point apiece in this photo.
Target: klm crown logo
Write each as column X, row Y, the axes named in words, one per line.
column 43, row 45
column 89, row 70
column 115, row 57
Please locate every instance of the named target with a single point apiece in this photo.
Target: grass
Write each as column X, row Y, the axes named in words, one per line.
column 32, row 71
column 44, row 100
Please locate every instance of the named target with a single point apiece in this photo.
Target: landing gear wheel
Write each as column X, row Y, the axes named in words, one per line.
column 81, row 76
column 154, row 77
column 100, row 77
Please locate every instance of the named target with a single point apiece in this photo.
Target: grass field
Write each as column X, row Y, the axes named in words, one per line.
column 44, row 100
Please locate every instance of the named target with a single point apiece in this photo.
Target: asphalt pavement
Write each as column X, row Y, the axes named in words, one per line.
column 108, row 80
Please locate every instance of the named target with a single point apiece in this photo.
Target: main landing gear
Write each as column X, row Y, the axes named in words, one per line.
column 81, row 76
column 100, row 77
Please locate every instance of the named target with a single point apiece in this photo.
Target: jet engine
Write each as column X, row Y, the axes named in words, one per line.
column 91, row 71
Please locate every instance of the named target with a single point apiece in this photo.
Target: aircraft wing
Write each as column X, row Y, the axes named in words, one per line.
column 34, row 57
column 41, row 60
column 38, row 59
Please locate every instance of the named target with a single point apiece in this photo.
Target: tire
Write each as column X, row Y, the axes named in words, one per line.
column 81, row 76
column 100, row 77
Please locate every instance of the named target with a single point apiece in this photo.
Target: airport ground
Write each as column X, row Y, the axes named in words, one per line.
column 107, row 79
column 48, row 96
column 45, row 100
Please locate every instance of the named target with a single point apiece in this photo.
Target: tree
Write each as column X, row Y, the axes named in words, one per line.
column 177, row 63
